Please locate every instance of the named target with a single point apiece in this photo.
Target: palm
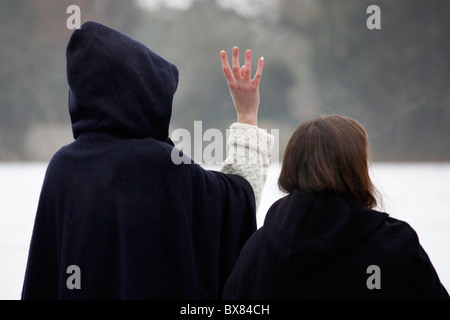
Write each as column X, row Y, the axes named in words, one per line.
column 243, row 89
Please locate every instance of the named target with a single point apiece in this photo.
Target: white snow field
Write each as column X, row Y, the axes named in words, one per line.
column 416, row 193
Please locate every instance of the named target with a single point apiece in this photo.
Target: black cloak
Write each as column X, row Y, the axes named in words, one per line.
column 327, row 247
column 114, row 205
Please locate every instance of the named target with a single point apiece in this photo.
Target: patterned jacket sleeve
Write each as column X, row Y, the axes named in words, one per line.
column 248, row 155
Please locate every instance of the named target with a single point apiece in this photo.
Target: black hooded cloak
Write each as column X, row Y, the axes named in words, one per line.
column 114, row 205
column 326, row 247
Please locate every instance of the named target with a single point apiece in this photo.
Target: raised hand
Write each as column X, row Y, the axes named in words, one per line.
column 243, row 89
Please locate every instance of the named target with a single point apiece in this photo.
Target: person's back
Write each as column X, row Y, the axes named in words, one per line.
column 327, row 247
column 119, row 210
column 117, row 218
column 323, row 240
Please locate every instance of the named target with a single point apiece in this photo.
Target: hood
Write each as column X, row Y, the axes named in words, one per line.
column 118, row 85
column 305, row 230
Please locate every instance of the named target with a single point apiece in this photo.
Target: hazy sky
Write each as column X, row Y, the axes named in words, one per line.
column 249, row 8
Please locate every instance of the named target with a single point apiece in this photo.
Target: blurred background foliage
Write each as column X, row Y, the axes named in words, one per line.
column 320, row 58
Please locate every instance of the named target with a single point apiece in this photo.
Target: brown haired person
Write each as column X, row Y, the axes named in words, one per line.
column 324, row 240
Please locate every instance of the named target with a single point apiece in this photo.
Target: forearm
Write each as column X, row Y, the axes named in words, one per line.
column 248, row 155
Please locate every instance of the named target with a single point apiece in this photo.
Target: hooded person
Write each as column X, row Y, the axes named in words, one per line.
column 324, row 240
column 117, row 218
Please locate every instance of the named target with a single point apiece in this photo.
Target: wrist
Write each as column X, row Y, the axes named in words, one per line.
column 251, row 119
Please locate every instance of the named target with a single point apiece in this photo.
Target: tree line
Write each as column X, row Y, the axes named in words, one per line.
column 320, row 58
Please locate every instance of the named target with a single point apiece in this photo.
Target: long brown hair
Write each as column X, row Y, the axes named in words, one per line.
column 329, row 154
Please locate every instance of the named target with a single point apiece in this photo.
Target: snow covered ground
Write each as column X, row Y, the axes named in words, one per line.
column 416, row 193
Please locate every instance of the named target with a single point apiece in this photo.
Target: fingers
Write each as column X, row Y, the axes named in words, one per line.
column 235, row 62
column 248, row 65
column 236, row 72
column 226, row 67
column 259, row 71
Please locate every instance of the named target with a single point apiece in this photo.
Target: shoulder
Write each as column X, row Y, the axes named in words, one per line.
column 256, row 251
column 396, row 239
column 255, row 241
column 400, row 229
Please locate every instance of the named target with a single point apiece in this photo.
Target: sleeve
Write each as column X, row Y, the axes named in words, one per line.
column 248, row 156
column 431, row 285
column 221, row 215
column 421, row 268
